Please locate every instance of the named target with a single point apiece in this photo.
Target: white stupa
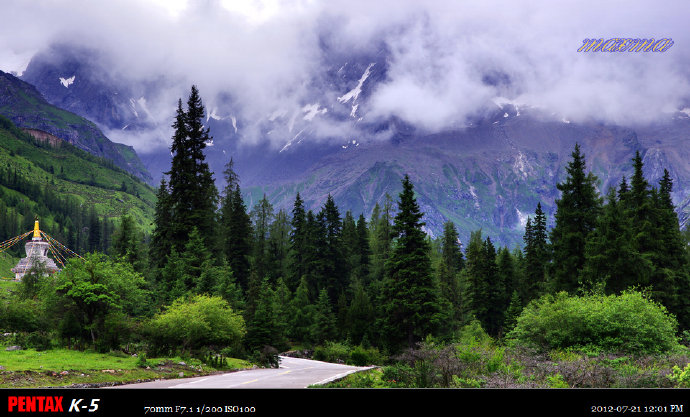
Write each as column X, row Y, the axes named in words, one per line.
column 36, row 252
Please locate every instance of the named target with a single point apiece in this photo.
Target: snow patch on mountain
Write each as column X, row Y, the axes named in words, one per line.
column 291, row 141
column 133, row 107
column 522, row 218
column 67, row 81
column 355, row 92
column 474, row 196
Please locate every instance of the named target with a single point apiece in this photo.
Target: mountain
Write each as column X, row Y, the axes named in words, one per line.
column 42, row 175
column 488, row 172
column 22, row 103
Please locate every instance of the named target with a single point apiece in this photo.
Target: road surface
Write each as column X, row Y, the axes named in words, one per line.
column 293, row 373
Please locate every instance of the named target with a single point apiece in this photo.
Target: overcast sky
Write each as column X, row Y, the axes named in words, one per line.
column 265, row 53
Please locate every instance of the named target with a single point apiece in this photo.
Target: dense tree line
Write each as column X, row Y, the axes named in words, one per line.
column 76, row 225
column 306, row 277
column 311, row 276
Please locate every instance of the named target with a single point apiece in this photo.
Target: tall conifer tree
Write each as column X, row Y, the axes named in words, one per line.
column 193, row 193
column 410, row 298
column 576, row 217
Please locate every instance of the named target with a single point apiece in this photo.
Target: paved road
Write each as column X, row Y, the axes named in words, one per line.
column 293, row 373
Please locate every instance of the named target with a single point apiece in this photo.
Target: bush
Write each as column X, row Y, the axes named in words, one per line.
column 681, row 376
column 399, row 375
column 332, row 352
column 195, row 322
column 38, row 340
column 19, row 316
column 141, row 361
column 267, row 357
column 629, row 323
column 360, row 356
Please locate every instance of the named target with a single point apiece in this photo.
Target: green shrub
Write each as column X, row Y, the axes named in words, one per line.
column 359, row 356
column 195, row 322
column 556, row 381
column 400, row 375
column 629, row 322
column 267, row 357
column 681, row 377
column 332, row 352
column 466, row 382
column 141, row 361
column 19, row 316
column 38, row 340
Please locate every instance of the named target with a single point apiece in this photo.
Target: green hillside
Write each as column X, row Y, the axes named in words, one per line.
column 67, row 188
column 25, row 107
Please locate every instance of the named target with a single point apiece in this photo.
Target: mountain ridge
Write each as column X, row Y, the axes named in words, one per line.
column 487, row 172
column 22, row 103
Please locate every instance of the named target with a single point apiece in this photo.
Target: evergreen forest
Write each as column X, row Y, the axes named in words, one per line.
column 210, row 276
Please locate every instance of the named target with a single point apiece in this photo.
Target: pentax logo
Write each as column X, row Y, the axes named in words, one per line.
column 26, row 404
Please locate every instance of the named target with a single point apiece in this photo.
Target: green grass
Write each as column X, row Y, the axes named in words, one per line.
column 63, row 367
column 364, row 379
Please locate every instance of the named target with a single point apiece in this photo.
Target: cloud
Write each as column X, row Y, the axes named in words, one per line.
column 445, row 61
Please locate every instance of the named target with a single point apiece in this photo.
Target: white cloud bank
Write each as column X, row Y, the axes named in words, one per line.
column 447, row 59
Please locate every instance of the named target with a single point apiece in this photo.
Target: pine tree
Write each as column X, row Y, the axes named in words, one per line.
column 576, row 216
column 673, row 279
column 381, row 237
column 161, row 238
column 611, row 262
column 475, row 288
column 335, row 267
column 507, row 275
column 410, row 302
column 281, row 301
column 192, row 189
column 363, row 268
column 495, row 308
column 324, row 324
column 513, row 312
column 536, row 256
column 261, row 330
column 360, row 313
column 262, row 217
column 452, row 262
column 196, row 258
column 298, row 243
column 350, row 241
column 302, row 313
column 236, row 227
column 315, row 243
column 279, row 245
column 94, row 238
column 238, row 241
column 126, row 243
